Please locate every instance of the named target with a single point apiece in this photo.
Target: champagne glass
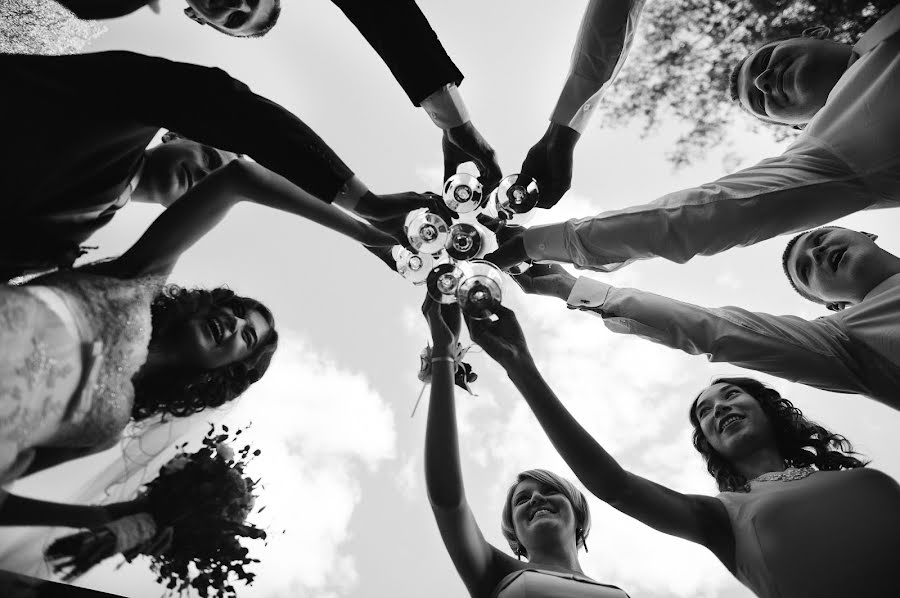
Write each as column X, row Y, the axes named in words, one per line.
column 463, row 193
column 480, row 289
column 427, row 232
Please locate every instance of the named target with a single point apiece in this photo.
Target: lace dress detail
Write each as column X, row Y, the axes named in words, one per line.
column 70, row 386
column 115, row 312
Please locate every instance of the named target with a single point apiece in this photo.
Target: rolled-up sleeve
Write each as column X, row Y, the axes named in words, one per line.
column 789, row 347
column 805, row 187
column 604, row 38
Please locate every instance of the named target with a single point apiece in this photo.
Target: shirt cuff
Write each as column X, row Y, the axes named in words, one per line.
column 577, row 102
column 446, row 107
column 349, row 194
column 588, row 293
column 546, row 243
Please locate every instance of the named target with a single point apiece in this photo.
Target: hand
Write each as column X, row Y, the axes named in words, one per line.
column 445, row 323
column 550, row 280
column 511, row 241
column 465, row 144
column 549, row 162
column 503, row 339
column 384, row 254
column 387, row 213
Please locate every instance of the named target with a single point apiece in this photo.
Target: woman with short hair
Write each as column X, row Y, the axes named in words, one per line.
column 545, row 518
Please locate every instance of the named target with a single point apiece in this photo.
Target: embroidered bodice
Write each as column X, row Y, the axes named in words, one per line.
column 113, row 319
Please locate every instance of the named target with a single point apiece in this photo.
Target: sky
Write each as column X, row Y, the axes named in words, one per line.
column 342, row 468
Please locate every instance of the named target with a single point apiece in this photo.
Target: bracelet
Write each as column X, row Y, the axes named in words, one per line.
column 447, row 359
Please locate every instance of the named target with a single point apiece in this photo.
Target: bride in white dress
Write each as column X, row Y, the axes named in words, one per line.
column 88, row 350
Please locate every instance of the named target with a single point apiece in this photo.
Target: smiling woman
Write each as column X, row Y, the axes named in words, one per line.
column 545, row 518
column 90, row 349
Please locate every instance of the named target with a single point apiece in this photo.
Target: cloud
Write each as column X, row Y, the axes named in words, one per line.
column 319, row 427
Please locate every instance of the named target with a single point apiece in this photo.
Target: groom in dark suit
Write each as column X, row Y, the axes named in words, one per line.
column 76, row 130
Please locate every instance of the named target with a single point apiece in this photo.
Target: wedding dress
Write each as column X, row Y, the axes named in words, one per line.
column 72, row 341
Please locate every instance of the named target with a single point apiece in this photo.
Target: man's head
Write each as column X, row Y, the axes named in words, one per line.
column 176, row 165
column 835, row 266
column 240, row 18
column 787, row 81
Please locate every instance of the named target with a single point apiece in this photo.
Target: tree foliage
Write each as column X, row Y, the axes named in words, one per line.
column 681, row 61
column 43, row 27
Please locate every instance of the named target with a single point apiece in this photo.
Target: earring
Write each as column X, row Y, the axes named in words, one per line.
column 580, row 532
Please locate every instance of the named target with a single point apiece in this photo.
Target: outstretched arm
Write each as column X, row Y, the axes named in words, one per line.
column 803, row 188
column 601, row 46
column 700, row 519
column 804, row 351
column 480, row 565
column 20, row 510
column 404, row 39
column 205, row 205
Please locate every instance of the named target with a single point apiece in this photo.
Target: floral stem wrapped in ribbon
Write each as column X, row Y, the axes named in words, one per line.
column 196, row 511
column 462, row 378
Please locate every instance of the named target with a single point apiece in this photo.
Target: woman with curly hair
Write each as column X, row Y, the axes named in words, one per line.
column 797, row 514
column 86, row 351
column 545, row 519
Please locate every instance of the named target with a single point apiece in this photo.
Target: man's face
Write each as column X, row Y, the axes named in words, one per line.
column 234, row 17
column 836, row 265
column 788, row 81
column 174, row 167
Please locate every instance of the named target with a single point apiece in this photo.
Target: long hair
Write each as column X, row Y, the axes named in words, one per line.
column 799, row 441
column 183, row 393
column 561, row 485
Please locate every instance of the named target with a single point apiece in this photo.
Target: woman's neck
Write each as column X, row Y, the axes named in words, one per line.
column 556, row 559
column 762, row 461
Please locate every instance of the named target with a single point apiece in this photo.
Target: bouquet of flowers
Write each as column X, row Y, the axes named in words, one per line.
column 196, row 511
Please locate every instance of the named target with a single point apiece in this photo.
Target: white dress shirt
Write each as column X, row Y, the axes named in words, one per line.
column 856, row 350
column 446, row 108
column 847, row 159
column 604, row 38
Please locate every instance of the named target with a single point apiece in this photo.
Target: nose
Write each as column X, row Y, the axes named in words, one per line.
column 720, row 409
column 818, row 254
column 231, row 322
column 763, row 81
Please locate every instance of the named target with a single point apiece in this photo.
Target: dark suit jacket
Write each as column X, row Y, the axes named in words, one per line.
column 401, row 35
column 75, row 128
column 396, row 29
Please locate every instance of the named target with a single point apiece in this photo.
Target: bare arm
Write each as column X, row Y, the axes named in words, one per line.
column 700, row 519
column 480, row 565
column 20, row 510
column 206, row 204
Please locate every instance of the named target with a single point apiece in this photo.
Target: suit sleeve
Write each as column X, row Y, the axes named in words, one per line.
column 810, row 352
column 402, row 36
column 204, row 104
column 102, row 9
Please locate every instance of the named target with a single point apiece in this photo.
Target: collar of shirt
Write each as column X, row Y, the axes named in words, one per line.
column 884, row 28
column 887, row 284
